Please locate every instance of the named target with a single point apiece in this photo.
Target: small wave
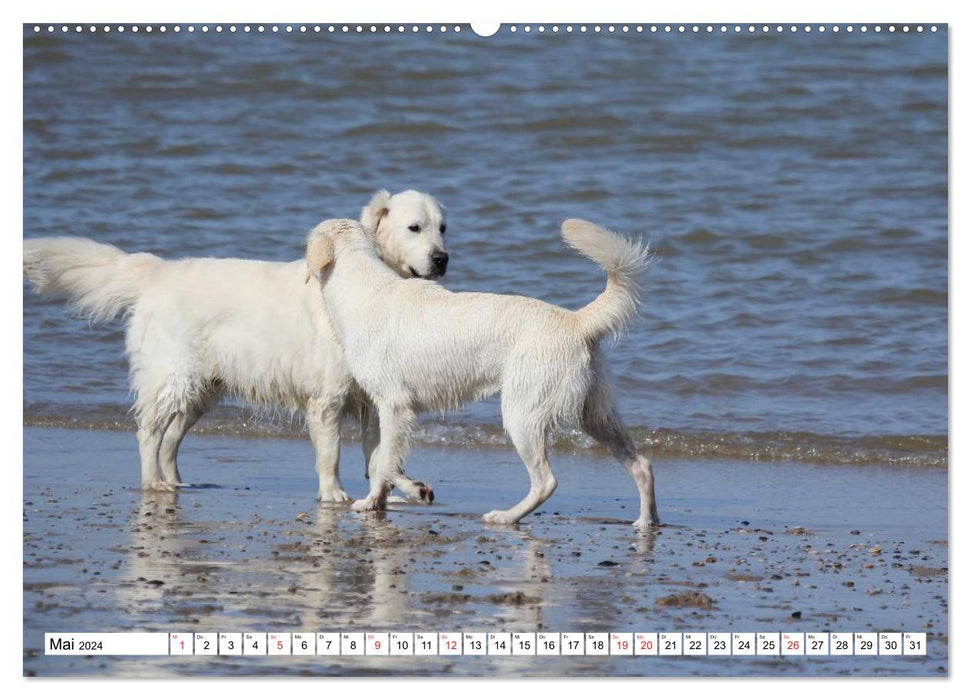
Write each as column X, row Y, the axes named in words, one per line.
column 701, row 236
column 181, row 150
column 570, row 123
column 205, row 214
column 426, row 128
column 916, row 296
column 897, row 233
column 45, row 58
column 783, row 446
column 938, row 70
column 230, row 169
column 924, row 106
column 925, row 451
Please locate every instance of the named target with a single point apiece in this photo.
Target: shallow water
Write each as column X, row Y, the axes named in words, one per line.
column 794, row 188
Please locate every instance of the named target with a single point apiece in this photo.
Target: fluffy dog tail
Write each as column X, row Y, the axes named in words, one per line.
column 624, row 261
column 99, row 280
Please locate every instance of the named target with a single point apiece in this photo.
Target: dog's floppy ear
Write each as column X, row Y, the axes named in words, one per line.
column 320, row 253
column 376, row 210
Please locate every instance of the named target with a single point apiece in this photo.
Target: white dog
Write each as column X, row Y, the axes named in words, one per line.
column 200, row 328
column 414, row 346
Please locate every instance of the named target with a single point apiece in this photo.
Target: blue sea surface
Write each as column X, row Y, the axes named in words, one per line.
column 793, row 186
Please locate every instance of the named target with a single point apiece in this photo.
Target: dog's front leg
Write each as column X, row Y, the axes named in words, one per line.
column 386, row 465
column 370, row 434
column 370, row 438
column 323, row 421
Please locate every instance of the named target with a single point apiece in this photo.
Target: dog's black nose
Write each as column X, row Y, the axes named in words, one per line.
column 440, row 261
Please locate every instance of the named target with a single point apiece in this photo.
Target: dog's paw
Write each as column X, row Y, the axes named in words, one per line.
column 333, row 496
column 425, row 493
column 644, row 523
column 418, row 492
column 162, row 486
column 369, row 504
column 498, row 517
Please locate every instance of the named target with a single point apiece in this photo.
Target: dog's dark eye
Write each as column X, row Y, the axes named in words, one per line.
column 414, row 227
column 442, row 228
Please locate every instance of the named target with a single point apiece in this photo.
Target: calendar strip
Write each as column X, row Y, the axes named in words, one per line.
column 487, row 644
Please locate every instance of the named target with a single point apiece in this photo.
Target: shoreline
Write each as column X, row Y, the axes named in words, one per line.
column 924, row 451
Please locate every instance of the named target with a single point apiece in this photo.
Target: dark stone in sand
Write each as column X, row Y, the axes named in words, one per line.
column 517, row 598
column 691, row 599
column 733, row 576
column 607, row 562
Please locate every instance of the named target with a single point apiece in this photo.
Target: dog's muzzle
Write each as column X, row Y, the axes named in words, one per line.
column 439, row 263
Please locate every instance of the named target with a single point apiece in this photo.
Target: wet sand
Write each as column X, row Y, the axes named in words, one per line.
column 759, row 546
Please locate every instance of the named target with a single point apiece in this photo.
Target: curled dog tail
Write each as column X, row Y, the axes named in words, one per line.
column 99, row 280
column 624, row 261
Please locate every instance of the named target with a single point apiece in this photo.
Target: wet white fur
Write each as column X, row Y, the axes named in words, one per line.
column 414, row 346
column 199, row 328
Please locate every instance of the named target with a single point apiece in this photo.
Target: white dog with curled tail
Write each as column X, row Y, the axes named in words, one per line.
column 199, row 328
column 414, row 346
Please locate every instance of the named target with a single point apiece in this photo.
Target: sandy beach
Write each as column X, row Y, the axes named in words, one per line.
column 759, row 546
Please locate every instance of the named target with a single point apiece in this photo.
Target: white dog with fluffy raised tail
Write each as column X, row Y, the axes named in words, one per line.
column 199, row 328
column 414, row 346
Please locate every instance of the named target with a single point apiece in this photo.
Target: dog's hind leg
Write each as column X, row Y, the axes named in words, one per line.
column 166, row 380
column 171, row 440
column 602, row 422
column 530, row 442
column 386, row 466
column 150, row 435
column 154, row 412
column 181, row 423
column 323, row 421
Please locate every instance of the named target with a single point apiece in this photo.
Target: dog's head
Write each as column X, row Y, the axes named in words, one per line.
column 407, row 229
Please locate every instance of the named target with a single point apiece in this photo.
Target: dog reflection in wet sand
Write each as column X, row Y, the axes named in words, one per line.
column 329, row 571
column 414, row 346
